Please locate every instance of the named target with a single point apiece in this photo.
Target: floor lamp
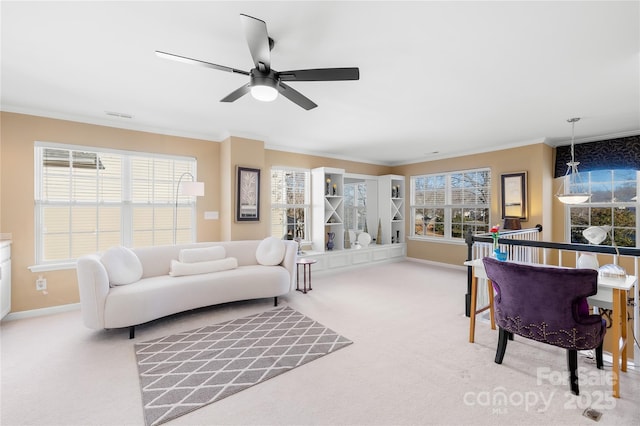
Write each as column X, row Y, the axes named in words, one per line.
column 191, row 188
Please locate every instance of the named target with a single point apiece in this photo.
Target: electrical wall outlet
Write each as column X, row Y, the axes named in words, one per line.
column 41, row 283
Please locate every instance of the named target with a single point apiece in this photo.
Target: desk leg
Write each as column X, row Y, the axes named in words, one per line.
column 310, row 278
column 491, row 310
column 623, row 328
column 298, row 277
column 472, row 311
column 618, row 329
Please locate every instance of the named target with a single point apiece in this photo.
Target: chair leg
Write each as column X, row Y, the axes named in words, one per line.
column 503, row 338
column 572, row 363
column 599, row 362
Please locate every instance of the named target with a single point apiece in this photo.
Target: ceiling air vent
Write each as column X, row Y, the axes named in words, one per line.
column 119, row 114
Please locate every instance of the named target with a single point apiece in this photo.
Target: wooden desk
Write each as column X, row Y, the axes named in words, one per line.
column 618, row 324
column 478, row 272
column 619, row 290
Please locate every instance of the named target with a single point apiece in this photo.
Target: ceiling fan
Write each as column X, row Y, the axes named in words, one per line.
column 265, row 82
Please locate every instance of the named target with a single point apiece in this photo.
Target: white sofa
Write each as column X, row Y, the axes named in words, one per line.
column 109, row 301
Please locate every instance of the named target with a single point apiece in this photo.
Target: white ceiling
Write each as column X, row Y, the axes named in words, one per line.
column 437, row 79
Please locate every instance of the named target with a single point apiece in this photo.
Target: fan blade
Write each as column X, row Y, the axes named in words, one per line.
column 296, row 97
column 255, row 31
column 238, row 93
column 321, row 74
column 198, row 62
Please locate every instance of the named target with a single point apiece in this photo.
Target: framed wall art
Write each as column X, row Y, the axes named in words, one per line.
column 514, row 195
column 248, row 195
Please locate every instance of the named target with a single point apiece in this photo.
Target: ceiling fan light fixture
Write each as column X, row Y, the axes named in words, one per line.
column 265, row 83
column 264, row 93
column 264, row 87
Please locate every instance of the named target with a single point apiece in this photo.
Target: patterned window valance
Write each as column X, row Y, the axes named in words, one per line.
column 619, row 153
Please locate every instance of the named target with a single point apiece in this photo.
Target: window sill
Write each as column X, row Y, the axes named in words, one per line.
column 53, row 267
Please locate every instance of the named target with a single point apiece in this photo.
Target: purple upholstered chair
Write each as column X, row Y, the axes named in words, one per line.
column 549, row 305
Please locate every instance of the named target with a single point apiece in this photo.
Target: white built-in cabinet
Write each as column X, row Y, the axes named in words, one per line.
column 327, row 215
column 385, row 209
column 391, row 208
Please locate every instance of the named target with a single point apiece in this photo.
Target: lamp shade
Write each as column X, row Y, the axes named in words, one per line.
column 512, row 223
column 596, row 234
column 570, row 198
column 192, row 188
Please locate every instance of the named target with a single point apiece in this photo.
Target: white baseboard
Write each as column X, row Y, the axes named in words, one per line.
column 439, row 264
column 329, row 271
column 11, row 316
column 76, row 306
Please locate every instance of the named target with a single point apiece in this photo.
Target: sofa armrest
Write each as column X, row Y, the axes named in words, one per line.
column 93, row 284
column 289, row 261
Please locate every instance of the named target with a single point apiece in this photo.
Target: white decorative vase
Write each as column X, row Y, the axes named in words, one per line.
column 347, row 239
column 588, row 261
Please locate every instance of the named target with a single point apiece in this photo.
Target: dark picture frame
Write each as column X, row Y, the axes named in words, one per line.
column 513, row 189
column 247, row 194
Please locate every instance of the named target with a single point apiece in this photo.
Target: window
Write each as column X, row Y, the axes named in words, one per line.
column 613, row 203
column 88, row 200
column 446, row 205
column 355, row 205
column 290, row 203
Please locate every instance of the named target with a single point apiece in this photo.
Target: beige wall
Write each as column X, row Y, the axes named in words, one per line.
column 217, row 164
column 235, row 152
column 1, row 175
column 534, row 159
column 281, row 158
column 18, row 133
column 239, row 152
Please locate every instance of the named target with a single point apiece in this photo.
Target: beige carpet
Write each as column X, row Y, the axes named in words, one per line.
column 411, row 364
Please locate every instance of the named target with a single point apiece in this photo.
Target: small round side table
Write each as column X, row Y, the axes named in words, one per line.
column 306, row 272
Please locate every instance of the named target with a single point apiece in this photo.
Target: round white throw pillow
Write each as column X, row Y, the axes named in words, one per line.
column 270, row 251
column 122, row 265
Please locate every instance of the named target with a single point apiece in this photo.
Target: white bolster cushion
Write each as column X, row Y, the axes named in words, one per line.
column 270, row 251
column 179, row 269
column 202, row 254
column 122, row 265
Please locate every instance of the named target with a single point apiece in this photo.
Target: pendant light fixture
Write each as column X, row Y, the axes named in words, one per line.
column 572, row 190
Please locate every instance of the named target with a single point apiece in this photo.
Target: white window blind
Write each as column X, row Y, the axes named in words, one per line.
column 446, row 205
column 88, row 200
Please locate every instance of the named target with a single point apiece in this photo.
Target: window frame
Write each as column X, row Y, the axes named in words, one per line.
column 613, row 205
column 448, row 205
column 306, row 206
column 126, row 203
column 358, row 209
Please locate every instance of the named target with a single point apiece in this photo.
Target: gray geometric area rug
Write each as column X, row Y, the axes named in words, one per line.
column 185, row 371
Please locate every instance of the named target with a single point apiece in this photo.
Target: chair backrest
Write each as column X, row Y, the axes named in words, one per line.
column 545, row 303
